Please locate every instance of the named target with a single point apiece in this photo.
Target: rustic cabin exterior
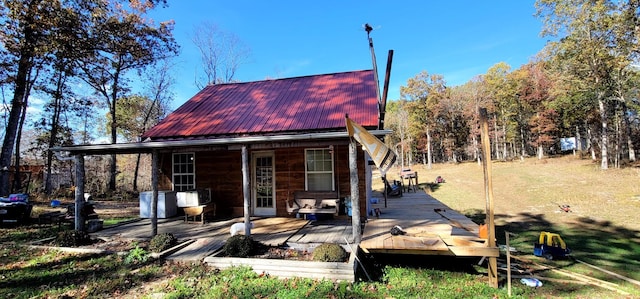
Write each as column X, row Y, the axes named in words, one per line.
column 263, row 148
column 294, row 133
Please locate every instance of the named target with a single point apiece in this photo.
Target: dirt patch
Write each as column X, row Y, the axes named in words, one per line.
column 284, row 254
column 117, row 209
column 104, row 208
column 117, row 244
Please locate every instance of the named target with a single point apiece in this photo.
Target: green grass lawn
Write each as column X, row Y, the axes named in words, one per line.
column 601, row 229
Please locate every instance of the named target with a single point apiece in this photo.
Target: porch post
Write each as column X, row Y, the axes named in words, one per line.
column 245, row 190
column 154, row 189
column 355, row 192
column 79, row 200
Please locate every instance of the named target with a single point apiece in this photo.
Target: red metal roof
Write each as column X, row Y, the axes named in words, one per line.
column 301, row 104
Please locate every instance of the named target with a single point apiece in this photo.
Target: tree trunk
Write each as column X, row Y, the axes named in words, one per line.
column 17, row 182
column 495, row 138
column 11, row 131
column 540, row 152
column 476, row 153
column 355, row 192
column 19, row 92
column 627, row 125
column 590, row 144
column 135, row 173
column 154, row 189
column 55, row 120
column 604, row 164
column 429, row 150
column 79, row 194
column 504, row 141
column 616, row 146
column 522, row 144
column 578, row 141
column 114, row 130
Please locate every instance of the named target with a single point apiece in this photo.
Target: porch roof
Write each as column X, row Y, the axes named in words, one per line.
column 150, row 146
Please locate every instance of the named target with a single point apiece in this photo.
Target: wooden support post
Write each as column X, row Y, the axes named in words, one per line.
column 246, row 191
column 355, row 192
column 79, row 200
column 384, row 181
column 506, row 236
column 488, row 188
column 154, row 188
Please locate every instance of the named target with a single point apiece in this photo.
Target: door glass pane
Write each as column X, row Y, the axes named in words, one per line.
column 264, row 182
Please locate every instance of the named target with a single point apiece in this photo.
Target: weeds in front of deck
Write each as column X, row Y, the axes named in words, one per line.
column 28, row 273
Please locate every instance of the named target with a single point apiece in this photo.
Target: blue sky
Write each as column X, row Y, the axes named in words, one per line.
column 456, row 39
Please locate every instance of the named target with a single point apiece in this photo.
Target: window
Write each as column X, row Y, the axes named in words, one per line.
column 184, row 174
column 319, row 169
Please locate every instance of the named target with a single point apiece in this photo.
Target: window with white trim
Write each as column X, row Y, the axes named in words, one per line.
column 184, row 173
column 319, row 169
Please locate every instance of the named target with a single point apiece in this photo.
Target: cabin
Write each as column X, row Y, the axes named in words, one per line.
column 270, row 148
column 295, row 137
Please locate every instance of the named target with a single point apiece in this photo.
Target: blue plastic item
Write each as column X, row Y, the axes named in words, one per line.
column 531, row 282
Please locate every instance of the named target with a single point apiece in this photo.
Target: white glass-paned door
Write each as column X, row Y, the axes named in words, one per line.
column 264, row 197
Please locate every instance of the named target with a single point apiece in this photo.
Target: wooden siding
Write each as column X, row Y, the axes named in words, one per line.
column 221, row 171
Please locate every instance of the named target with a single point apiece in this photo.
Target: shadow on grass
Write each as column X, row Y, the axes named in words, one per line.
column 599, row 243
column 596, row 242
column 376, row 263
column 429, row 187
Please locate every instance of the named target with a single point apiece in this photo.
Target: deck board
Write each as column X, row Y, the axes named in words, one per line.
column 427, row 223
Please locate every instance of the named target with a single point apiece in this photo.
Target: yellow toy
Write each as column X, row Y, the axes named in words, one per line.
column 550, row 246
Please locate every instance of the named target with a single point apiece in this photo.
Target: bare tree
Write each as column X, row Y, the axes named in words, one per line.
column 160, row 83
column 221, row 52
column 122, row 41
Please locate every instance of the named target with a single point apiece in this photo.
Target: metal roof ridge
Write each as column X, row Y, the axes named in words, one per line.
column 289, row 78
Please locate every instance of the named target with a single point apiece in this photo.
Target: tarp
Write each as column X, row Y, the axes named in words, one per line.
column 381, row 155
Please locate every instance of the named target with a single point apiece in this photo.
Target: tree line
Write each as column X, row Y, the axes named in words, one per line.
column 83, row 58
column 582, row 84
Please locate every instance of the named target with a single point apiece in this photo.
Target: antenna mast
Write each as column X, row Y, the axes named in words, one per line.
column 382, row 100
column 368, row 29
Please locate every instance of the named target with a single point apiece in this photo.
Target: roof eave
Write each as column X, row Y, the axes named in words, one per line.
column 150, row 146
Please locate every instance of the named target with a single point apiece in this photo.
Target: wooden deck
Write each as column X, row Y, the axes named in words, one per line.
column 210, row 237
column 431, row 227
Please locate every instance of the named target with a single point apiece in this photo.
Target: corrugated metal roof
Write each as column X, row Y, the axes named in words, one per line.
column 311, row 103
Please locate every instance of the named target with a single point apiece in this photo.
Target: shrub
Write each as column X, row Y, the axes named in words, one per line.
column 329, row 252
column 72, row 238
column 239, row 246
column 162, row 242
column 136, row 256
